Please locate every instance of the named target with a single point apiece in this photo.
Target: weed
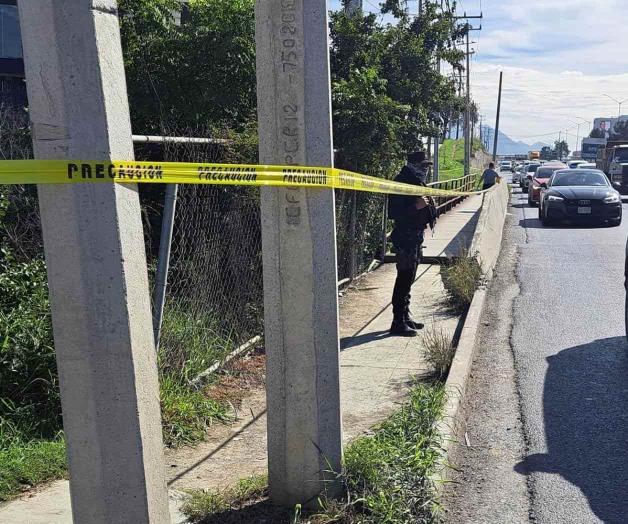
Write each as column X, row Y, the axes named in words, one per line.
column 190, row 343
column 386, row 477
column 26, row 465
column 186, row 413
column 438, row 350
column 461, row 280
column 201, row 503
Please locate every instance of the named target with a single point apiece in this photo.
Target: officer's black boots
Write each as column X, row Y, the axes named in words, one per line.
column 400, row 328
column 408, row 320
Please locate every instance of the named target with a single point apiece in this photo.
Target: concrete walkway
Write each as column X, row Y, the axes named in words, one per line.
column 454, row 230
column 375, row 370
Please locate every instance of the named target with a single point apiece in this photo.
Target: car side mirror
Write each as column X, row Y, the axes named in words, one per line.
column 617, row 184
column 529, row 177
column 544, row 185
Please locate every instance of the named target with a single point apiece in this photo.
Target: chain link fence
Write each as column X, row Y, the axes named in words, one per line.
column 360, row 231
column 214, row 300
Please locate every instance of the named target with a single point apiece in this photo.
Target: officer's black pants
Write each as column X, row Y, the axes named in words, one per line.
column 408, row 260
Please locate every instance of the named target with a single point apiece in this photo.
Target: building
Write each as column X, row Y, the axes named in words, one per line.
column 12, row 86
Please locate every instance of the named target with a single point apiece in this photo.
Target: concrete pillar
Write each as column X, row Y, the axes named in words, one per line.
column 97, row 274
column 299, row 252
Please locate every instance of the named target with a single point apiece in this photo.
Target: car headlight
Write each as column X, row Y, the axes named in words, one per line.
column 554, row 198
column 612, row 199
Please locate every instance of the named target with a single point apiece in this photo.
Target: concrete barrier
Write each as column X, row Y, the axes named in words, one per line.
column 487, row 238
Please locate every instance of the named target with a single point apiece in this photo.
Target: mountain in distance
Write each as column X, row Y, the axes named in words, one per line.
column 508, row 146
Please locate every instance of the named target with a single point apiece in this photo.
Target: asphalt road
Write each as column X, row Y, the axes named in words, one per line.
column 569, row 374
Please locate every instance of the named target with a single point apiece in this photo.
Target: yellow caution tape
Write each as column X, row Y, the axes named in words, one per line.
column 79, row 172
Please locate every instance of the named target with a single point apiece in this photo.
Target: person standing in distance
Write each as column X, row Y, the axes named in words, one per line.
column 411, row 215
column 489, row 177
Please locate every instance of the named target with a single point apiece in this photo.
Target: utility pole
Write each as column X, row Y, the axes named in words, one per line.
column 94, row 247
column 299, row 254
column 467, row 113
column 353, row 6
column 467, row 120
column 499, row 108
column 577, row 133
column 481, row 137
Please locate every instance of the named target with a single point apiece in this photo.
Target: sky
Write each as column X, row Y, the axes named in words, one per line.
column 559, row 58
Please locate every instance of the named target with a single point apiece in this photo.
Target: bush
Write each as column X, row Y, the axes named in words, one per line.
column 461, row 280
column 438, row 349
column 30, row 406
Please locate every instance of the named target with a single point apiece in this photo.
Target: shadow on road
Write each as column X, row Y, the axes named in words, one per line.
column 535, row 223
column 585, row 404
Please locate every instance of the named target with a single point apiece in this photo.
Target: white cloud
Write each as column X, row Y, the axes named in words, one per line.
column 558, row 59
column 536, row 102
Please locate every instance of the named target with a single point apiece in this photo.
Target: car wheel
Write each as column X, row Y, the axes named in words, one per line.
column 545, row 220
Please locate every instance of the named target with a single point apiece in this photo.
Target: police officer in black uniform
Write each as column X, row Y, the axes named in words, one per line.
column 412, row 215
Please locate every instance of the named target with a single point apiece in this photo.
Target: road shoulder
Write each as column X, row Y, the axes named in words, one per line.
column 484, row 487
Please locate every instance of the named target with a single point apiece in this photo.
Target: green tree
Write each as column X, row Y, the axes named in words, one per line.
column 385, row 87
column 201, row 73
column 561, row 149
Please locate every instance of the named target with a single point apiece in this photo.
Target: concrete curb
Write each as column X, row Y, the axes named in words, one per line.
column 492, row 225
column 456, row 384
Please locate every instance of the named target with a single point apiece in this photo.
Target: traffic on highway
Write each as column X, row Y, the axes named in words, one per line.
column 546, row 430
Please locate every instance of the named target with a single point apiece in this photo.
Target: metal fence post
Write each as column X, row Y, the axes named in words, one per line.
column 352, row 239
column 163, row 260
column 385, row 230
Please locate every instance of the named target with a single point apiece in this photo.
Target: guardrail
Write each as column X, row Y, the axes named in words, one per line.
column 465, row 183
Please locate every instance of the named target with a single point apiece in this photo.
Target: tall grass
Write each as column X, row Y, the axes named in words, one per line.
column 387, row 477
column 388, row 474
column 461, row 280
column 438, row 350
column 190, row 344
column 23, row 465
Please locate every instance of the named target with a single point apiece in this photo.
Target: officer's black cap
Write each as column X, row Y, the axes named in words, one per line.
column 417, row 157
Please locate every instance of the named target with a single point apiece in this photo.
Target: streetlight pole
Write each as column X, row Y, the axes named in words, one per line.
column 578, row 133
column 618, row 102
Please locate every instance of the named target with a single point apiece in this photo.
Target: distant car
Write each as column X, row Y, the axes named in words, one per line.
column 505, row 165
column 587, row 165
column 542, row 176
column 527, row 176
column 517, row 174
column 573, row 164
column 580, row 195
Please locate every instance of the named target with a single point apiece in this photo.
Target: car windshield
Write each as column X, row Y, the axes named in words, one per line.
column 546, row 172
column 621, row 155
column 579, row 178
column 533, row 167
